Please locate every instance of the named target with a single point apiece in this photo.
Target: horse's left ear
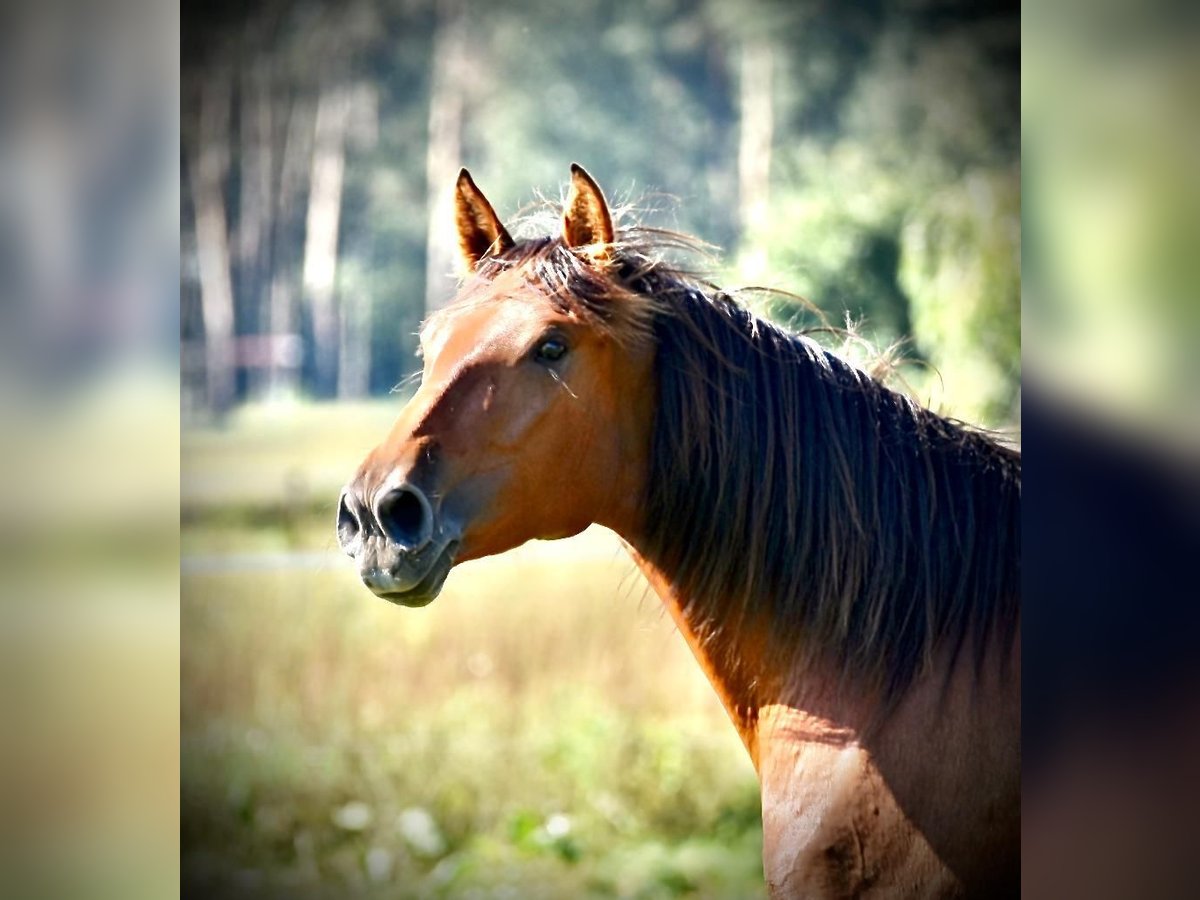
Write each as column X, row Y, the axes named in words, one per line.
column 586, row 220
column 479, row 228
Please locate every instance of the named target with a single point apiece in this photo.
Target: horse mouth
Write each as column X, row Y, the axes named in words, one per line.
column 426, row 590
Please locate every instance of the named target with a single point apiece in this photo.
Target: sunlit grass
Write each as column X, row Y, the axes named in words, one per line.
column 544, row 720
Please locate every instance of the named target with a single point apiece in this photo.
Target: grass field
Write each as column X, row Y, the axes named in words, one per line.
column 539, row 731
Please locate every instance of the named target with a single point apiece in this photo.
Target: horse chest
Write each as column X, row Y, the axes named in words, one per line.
column 831, row 828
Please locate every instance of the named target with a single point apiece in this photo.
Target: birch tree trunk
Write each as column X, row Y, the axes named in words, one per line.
column 255, row 204
column 754, row 151
column 444, row 151
column 295, row 164
column 207, row 171
column 321, row 235
column 354, row 353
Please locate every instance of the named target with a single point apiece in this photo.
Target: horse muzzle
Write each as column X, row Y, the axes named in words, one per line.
column 403, row 550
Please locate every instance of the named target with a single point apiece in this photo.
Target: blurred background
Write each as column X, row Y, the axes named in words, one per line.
column 170, row 449
column 178, row 407
column 540, row 730
column 865, row 157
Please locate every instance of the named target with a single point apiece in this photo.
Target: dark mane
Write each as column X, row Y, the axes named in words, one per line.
column 819, row 504
column 791, row 493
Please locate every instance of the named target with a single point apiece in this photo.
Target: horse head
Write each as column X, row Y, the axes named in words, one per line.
column 531, row 420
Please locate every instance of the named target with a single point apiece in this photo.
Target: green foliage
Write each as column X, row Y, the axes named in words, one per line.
column 961, row 268
column 834, row 235
column 902, row 214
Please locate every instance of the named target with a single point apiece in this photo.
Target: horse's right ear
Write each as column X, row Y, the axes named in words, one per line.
column 479, row 228
column 586, row 220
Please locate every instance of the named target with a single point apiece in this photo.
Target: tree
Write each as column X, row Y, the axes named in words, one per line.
column 207, row 170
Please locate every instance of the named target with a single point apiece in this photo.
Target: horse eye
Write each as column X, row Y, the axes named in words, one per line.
column 551, row 350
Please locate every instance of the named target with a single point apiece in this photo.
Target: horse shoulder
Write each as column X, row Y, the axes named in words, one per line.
column 831, row 827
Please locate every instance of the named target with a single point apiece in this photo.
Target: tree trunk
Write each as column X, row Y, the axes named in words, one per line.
column 754, row 152
column 255, row 204
column 321, row 237
column 444, row 152
column 207, row 171
column 294, row 168
column 354, row 354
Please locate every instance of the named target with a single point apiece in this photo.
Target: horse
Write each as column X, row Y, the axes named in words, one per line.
column 843, row 562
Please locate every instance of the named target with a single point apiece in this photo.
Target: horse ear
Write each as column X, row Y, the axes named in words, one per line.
column 586, row 221
column 479, row 228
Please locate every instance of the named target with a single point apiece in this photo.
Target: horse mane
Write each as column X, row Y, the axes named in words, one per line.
column 790, row 493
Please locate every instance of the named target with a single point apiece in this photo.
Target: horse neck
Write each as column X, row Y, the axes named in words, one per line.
column 822, row 705
column 736, row 661
column 728, row 686
column 751, row 694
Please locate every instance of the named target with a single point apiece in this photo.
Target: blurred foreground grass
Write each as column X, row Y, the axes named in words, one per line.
column 539, row 731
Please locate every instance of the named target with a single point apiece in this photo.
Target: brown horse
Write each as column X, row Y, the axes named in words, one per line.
column 843, row 563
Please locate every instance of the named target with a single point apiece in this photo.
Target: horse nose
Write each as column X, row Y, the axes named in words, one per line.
column 349, row 520
column 406, row 517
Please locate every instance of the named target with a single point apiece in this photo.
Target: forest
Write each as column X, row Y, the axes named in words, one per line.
column 862, row 156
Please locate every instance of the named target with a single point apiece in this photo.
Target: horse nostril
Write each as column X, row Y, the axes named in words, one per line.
column 405, row 517
column 348, row 525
